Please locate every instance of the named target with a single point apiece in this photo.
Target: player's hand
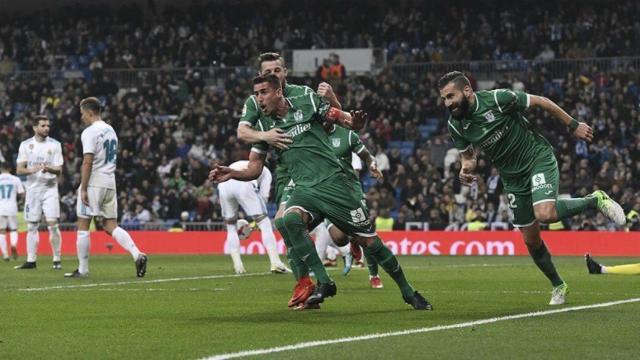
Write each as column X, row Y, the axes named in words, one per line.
column 277, row 138
column 375, row 172
column 220, row 174
column 584, row 132
column 358, row 119
column 467, row 177
column 38, row 168
column 326, row 91
column 84, row 197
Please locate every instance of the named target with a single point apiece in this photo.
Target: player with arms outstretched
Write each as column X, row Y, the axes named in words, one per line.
column 97, row 192
column 493, row 121
column 324, row 188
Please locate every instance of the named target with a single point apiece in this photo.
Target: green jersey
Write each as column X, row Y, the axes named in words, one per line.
column 310, row 158
column 344, row 143
column 496, row 125
column 251, row 113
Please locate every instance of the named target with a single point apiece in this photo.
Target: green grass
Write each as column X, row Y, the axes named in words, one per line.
column 201, row 317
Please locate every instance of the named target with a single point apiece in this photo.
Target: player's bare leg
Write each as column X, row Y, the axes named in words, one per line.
column 542, row 258
column 56, row 242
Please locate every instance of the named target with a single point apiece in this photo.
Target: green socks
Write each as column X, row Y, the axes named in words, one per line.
column 372, row 264
column 570, row 207
column 542, row 258
column 303, row 247
column 385, row 258
column 298, row 267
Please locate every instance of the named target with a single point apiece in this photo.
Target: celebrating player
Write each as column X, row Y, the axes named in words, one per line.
column 493, row 121
column 324, row 188
column 251, row 196
column 10, row 187
column 97, row 192
column 40, row 159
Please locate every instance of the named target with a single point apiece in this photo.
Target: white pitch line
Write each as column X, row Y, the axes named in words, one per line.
column 141, row 281
column 309, row 344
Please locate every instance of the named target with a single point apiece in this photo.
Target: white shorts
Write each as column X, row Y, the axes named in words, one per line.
column 8, row 222
column 102, row 202
column 43, row 200
column 245, row 194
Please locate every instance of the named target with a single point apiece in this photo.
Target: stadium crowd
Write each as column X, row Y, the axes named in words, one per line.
column 172, row 128
column 98, row 36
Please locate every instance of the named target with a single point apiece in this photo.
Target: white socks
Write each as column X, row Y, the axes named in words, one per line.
column 13, row 235
column 56, row 241
column 233, row 248
column 33, row 238
column 3, row 245
column 323, row 239
column 124, row 239
column 269, row 241
column 83, row 243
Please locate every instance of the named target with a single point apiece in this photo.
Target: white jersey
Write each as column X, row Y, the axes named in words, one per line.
column 262, row 183
column 101, row 140
column 10, row 186
column 47, row 152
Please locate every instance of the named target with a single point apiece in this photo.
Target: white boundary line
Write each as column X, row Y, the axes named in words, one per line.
column 141, row 281
column 309, row 344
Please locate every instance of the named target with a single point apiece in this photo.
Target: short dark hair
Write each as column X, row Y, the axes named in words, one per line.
column 36, row 119
column 458, row 78
column 92, row 104
column 270, row 56
column 272, row 79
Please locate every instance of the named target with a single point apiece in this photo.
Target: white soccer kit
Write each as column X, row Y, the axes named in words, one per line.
column 250, row 195
column 41, row 187
column 10, row 187
column 100, row 140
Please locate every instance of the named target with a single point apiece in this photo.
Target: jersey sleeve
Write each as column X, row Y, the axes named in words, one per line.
column 19, row 186
column 356, row 162
column 459, row 141
column 22, row 154
column 250, row 112
column 88, row 143
column 355, row 144
column 260, row 148
column 58, row 159
column 264, row 183
column 509, row 101
column 320, row 105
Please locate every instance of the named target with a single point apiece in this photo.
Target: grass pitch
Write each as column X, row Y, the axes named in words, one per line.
column 191, row 307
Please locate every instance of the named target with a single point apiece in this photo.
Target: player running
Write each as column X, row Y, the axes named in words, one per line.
column 324, row 188
column 40, row 159
column 97, row 192
column 251, row 196
column 10, row 188
column 493, row 121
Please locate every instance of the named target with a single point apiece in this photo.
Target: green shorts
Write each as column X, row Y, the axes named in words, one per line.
column 339, row 199
column 538, row 186
column 284, row 186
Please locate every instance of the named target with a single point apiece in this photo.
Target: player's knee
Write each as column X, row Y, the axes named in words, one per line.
column 545, row 214
column 339, row 238
column 279, row 223
column 32, row 227
column 292, row 218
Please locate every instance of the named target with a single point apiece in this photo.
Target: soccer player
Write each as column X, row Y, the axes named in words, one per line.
column 251, row 196
column 10, row 187
column 324, row 188
column 249, row 131
column 40, row 159
column 345, row 143
column 97, row 192
column 596, row 268
column 493, row 121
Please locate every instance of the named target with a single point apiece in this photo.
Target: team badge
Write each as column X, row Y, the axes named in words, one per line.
column 489, row 116
column 30, row 146
column 335, row 142
column 297, row 116
column 49, row 152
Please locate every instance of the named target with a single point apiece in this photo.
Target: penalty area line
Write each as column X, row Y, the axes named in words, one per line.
column 317, row 343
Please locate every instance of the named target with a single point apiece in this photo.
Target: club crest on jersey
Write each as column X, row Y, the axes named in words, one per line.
column 489, row 116
column 335, row 142
column 297, row 116
column 49, row 152
column 30, row 146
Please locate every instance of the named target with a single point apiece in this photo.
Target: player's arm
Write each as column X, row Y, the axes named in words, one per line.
column 326, row 91
column 579, row 129
column 250, row 116
column 363, row 153
column 468, row 158
column 85, row 174
column 254, row 169
column 56, row 167
column 264, row 183
column 22, row 169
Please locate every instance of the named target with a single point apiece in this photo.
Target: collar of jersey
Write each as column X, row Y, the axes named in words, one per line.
column 291, row 107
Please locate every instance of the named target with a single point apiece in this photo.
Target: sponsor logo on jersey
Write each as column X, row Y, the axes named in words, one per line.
column 466, row 126
column 539, row 182
column 489, row 116
column 335, row 142
column 299, row 129
column 298, row 116
column 497, row 135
